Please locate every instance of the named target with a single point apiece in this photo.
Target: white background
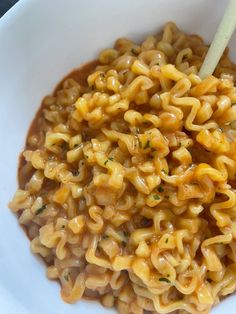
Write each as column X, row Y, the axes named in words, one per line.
column 40, row 42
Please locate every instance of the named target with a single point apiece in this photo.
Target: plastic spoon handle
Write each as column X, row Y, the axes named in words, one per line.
column 220, row 41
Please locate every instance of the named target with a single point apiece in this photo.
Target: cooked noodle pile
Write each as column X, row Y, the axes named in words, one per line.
column 127, row 184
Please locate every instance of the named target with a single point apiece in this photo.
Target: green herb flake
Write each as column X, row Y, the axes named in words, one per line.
column 163, row 170
column 126, row 233
column 156, row 197
column 147, row 145
column 167, row 197
column 76, row 145
column 167, row 240
column 40, row 210
column 66, row 277
column 163, row 279
column 109, row 158
column 140, row 143
column 50, row 157
column 160, row 189
column 102, row 75
column 134, row 52
column 123, row 244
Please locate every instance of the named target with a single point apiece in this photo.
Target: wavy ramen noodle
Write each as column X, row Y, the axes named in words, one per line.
column 127, row 184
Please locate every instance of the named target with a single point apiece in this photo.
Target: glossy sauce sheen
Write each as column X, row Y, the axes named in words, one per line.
column 127, row 191
column 80, row 76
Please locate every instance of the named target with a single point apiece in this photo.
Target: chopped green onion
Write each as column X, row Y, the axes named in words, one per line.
column 126, row 233
column 163, row 279
column 160, row 189
column 147, row 145
column 134, row 52
column 140, row 143
column 123, row 244
column 40, row 210
column 109, row 158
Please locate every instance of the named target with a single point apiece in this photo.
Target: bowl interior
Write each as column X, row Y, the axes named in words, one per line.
column 41, row 41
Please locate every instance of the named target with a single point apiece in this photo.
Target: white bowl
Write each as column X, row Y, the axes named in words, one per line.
column 41, row 41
